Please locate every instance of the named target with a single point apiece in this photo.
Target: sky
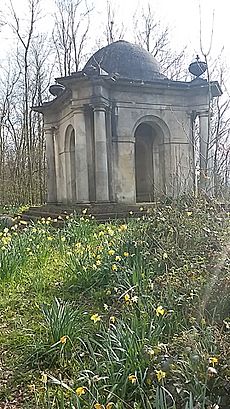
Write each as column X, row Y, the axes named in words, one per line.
column 182, row 17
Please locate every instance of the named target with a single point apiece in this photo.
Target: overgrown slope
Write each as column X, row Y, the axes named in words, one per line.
column 125, row 315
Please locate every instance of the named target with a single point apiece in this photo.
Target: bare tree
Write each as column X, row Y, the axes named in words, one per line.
column 114, row 29
column 219, row 141
column 214, row 166
column 23, row 84
column 8, row 81
column 151, row 35
column 72, row 20
column 25, row 41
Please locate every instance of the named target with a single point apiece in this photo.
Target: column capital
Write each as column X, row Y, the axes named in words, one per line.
column 99, row 104
column 203, row 114
column 49, row 129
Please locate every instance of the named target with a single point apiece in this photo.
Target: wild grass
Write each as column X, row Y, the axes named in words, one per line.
column 118, row 315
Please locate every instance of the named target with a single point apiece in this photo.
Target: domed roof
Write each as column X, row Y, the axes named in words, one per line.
column 125, row 59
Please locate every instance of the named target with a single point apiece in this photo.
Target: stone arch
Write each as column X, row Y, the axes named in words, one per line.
column 157, row 123
column 70, row 164
column 150, row 134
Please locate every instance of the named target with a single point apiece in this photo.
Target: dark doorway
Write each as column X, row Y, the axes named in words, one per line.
column 144, row 163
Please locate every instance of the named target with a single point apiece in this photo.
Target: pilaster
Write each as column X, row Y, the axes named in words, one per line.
column 51, row 168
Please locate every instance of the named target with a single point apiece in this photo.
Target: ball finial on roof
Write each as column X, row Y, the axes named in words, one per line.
column 198, row 67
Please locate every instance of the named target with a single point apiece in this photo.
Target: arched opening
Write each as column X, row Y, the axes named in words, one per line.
column 149, row 162
column 70, row 164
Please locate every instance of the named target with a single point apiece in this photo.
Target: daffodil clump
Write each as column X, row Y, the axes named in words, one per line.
column 129, row 314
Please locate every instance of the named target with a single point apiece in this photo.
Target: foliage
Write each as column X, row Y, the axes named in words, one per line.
column 126, row 315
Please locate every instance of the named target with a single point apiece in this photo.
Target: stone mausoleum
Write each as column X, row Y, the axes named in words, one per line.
column 119, row 131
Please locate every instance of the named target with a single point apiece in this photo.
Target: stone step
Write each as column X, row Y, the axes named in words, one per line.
column 101, row 213
column 91, row 208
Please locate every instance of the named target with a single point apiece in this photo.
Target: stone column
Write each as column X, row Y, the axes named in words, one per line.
column 51, row 171
column 56, row 137
column 204, row 137
column 101, row 157
column 124, row 169
column 82, row 178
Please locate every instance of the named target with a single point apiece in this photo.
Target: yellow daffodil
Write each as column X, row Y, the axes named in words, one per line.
column 32, row 387
column 95, row 318
column 127, row 298
column 98, row 406
column 160, row 375
column 126, row 254
column 213, row 360
column 111, row 252
column 98, row 262
column 151, row 352
column 118, row 258
column 189, row 213
column 44, row 378
column 132, row 378
column 112, row 319
column 123, row 227
column 23, row 222
column 80, row 391
column 49, row 238
column 63, row 339
column 6, row 240
column 63, row 239
column 160, row 311
column 114, row 267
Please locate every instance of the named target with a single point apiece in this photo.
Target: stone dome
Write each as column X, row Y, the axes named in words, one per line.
column 125, row 60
